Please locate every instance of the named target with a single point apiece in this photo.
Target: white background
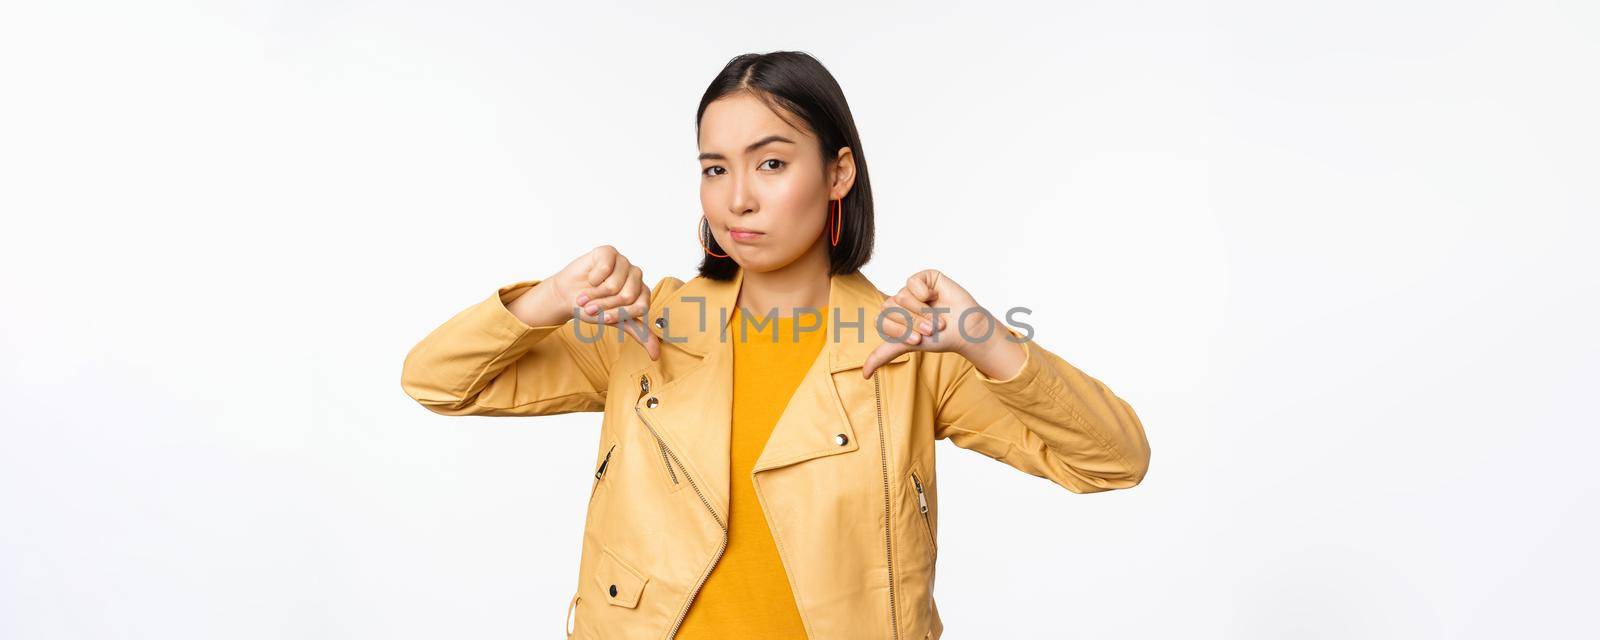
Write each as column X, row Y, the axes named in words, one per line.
column 1339, row 257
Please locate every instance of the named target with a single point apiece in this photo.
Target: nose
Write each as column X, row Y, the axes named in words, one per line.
column 741, row 201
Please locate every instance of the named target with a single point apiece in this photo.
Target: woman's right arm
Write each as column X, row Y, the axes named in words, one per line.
column 518, row 352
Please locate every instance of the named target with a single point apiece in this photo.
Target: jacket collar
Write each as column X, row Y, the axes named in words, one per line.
column 694, row 413
column 696, row 318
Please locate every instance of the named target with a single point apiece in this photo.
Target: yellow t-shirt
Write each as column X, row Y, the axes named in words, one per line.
column 747, row 594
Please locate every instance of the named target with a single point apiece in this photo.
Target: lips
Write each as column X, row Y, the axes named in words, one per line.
column 742, row 234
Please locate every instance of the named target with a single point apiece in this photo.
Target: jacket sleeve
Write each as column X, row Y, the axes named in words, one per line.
column 1049, row 420
column 486, row 361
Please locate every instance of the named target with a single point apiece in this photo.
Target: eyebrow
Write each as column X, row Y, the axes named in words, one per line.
column 753, row 146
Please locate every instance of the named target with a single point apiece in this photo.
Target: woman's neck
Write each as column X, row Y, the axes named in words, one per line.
column 803, row 284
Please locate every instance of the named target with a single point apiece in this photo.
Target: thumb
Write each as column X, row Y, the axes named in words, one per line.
column 640, row 333
column 652, row 346
column 884, row 353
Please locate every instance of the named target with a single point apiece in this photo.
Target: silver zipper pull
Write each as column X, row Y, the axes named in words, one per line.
column 922, row 500
column 601, row 472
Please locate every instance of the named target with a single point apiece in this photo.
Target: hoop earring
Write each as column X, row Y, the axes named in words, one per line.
column 703, row 231
column 836, row 218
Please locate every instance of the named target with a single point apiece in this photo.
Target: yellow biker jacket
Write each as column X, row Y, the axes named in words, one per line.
column 847, row 480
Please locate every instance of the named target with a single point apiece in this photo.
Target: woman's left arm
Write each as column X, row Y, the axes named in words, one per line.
column 1046, row 418
column 1049, row 419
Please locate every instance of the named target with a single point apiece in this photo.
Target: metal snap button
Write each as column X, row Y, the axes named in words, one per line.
column 613, row 591
column 651, row 402
column 661, row 322
column 840, row 439
column 644, row 384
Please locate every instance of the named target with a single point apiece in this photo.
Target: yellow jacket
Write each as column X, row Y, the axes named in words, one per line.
column 847, row 480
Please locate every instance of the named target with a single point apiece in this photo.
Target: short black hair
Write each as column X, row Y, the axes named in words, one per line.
column 794, row 82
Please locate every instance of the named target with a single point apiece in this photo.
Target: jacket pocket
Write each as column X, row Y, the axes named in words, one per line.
column 599, row 506
column 673, row 481
column 619, row 582
column 921, row 553
column 927, row 520
column 600, row 470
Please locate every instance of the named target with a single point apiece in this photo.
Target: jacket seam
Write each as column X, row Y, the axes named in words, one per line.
column 605, row 375
column 478, row 374
column 950, row 388
column 932, row 392
column 520, row 329
column 540, row 400
column 1053, row 391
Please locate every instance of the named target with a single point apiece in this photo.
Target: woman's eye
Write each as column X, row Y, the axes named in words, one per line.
column 780, row 163
column 708, row 171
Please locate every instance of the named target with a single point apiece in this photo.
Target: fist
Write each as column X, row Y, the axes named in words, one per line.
column 605, row 287
column 908, row 323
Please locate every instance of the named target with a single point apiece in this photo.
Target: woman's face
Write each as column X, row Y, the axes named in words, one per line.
column 762, row 186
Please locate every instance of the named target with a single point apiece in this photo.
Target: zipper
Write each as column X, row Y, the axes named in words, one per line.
column 644, row 387
column 720, row 548
column 922, row 504
column 888, row 520
column 601, row 472
column 664, row 461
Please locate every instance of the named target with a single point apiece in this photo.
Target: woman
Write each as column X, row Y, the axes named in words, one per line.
column 765, row 466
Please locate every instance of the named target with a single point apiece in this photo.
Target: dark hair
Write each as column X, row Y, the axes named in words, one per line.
column 793, row 82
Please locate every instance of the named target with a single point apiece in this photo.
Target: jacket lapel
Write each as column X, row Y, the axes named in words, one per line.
column 694, row 414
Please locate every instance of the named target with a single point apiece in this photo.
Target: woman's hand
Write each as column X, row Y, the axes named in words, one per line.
column 603, row 286
column 908, row 324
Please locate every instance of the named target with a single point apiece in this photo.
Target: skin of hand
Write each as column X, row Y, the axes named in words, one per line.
column 931, row 298
column 600, row 287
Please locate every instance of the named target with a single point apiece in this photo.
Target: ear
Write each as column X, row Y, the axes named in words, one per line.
column 843, row 170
